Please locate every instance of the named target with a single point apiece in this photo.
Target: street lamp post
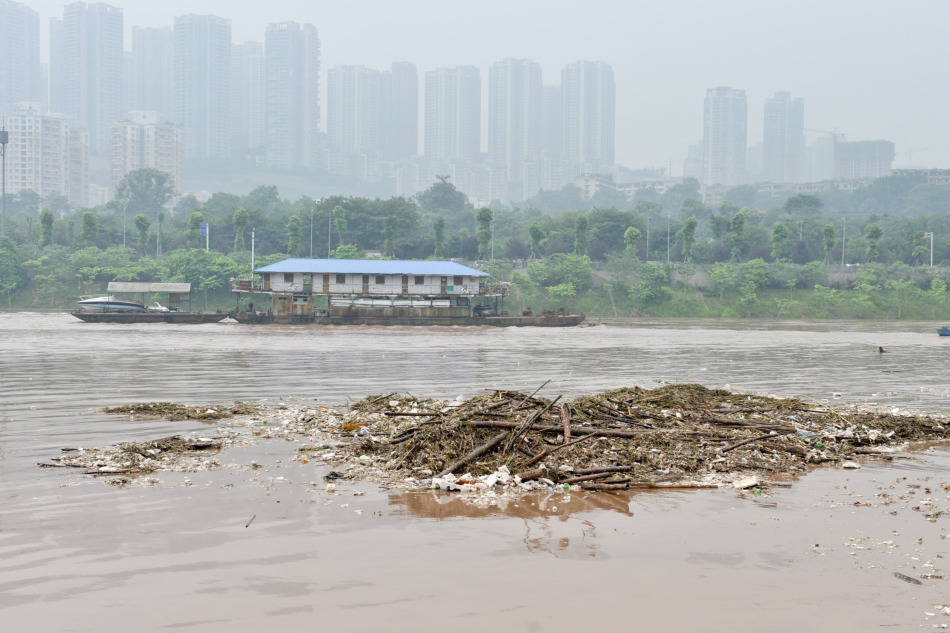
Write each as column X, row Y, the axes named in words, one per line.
column 667, row 239
column 329, row 226
column 931, row 236
column 311, row 228
column 647, row 256
column 4, row 138
column 844, row 224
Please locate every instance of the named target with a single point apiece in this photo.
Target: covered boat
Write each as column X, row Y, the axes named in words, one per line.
column 115, row 309
column 944, row 330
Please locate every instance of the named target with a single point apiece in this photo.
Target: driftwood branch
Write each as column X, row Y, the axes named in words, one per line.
column 566, row 420
column 577, row 480
column 526, row 398
column 548, row 451
column 478, row 452
column 602, row 469
column 519, row 434
column 501, row 424
column 753, row 439
column 532, row 474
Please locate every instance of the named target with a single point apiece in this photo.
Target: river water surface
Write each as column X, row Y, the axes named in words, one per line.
column 238, row 550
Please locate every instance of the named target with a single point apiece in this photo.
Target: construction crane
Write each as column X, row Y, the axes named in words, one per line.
column 910, row 154
column 834, row 133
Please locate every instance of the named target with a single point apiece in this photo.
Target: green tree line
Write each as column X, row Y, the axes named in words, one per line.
column 641, row 252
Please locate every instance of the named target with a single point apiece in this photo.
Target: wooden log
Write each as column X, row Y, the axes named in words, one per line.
column 532, row 474
column 548, row 451
column 495, row 405
column 557, row 429
column 606, row 486
column 526, row 398
column 752, row 439
column 577, row 480
column 791, row 448
column 566, row 420
column 417, row 414
column 602, row 469
column 519, row 434
column 478, row 452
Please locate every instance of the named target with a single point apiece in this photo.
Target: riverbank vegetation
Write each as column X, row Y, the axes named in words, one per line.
column 878, row 252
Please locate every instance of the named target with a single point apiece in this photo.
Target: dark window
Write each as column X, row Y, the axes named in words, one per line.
column 289, row 278
column 457, row 280
column 420, row 280
column 380, row 280
column 341, row 279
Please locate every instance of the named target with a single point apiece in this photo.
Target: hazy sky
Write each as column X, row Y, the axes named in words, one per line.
column 872, row 69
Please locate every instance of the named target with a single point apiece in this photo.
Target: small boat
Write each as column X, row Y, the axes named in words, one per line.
column 111, row 308
column 944, row 331
column 107, row 303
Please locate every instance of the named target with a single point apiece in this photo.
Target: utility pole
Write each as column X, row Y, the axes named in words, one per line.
column 329, row 226
column 667, row 239
column 4, row 139
column 931, row 236
column 647, row 257
column 844, row 225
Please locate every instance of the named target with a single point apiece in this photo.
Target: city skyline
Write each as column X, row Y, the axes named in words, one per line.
column 863, row 73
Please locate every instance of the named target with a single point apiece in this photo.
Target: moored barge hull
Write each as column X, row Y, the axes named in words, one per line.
column 358, row 317
column 146, row 316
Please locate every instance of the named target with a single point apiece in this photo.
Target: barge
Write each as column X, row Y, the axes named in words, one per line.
column 380, row 292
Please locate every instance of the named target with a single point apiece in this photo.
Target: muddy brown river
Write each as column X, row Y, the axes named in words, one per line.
column 242, row 549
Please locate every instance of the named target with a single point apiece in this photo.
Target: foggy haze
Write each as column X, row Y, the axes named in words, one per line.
column 870, row 70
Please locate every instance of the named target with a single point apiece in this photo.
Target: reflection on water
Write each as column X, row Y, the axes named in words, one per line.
column 435, row 504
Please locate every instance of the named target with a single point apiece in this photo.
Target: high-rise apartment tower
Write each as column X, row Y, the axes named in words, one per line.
column 515, row 121
column 589, row 116
column 725, row 129
column 203, row 84
column 86, row 68
column 453, row 106
column 783, row 139
column 292, row 96
column 21, row 75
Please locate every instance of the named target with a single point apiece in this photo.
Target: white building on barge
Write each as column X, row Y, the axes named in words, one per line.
column 363, row 289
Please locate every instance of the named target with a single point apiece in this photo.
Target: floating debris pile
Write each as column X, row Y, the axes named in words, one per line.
column 175, row 411
column 684, row 435
column 175, row 453
column 677, row 435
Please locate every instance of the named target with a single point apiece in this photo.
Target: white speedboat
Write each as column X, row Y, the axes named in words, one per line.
column 107, row 303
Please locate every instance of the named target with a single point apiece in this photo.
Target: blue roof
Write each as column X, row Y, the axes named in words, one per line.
column 370, row 267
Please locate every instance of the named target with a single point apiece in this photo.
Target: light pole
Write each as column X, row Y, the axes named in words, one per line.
column 311, row 228
column 844, row 225
column 667, row 239
column 931, row 236
column 329, row 226
column 647, row 255
column 125, row 208
column 4, row 138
